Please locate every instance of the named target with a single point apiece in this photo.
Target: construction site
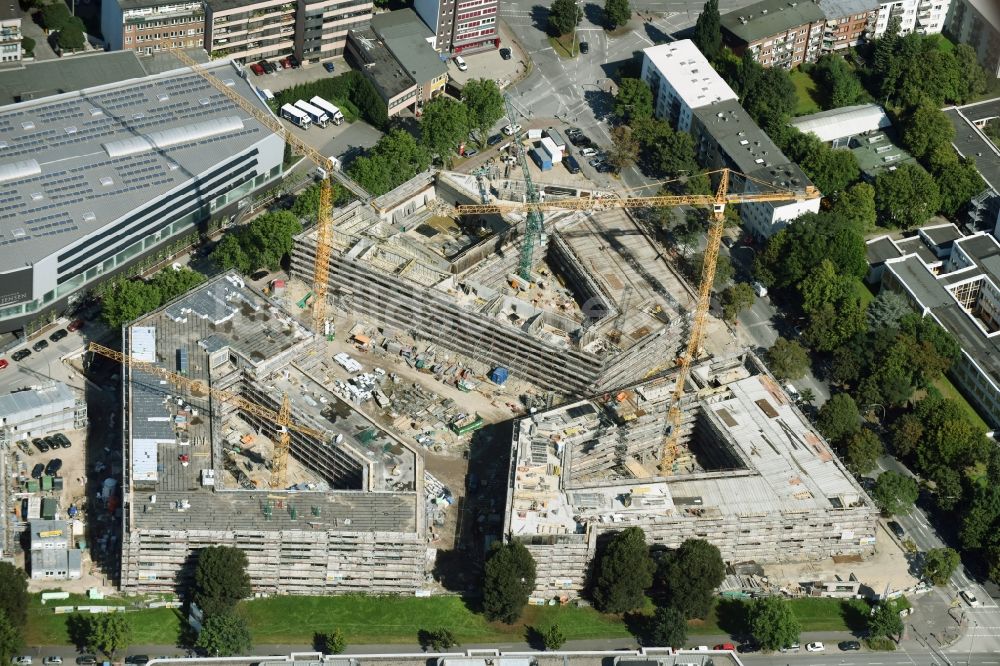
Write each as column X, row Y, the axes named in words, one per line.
column 600, row 309
column 746, row 471
column 347, row 513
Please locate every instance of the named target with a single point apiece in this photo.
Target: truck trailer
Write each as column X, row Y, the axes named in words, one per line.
column 335, row 115
column 295, row 115
column 318, row 115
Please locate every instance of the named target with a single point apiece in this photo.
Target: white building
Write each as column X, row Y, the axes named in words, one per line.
column 682, row 80
column 837, row 126
column 926, row 17
column 10, row 33
column 40, row 410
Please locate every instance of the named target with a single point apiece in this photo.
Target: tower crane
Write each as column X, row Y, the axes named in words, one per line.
column 718, row 203
column 282, row 418
column 534, row 224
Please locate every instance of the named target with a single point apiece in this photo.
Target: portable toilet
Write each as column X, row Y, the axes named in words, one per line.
column 499, row 375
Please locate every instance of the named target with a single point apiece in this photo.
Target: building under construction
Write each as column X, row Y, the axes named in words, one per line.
column 600, row 311
column 748, row 473
column 197, row 471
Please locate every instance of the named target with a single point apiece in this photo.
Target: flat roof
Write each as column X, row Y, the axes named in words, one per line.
column 11, row 10
column 379, row 64
column 877, row 152
column 770, row 17
column 689, row 72
column 43, row 78
column 407, row 38
column 835, row 9
column 73, row 163
column 877, row 250
column 139, row 4
column 843, row 122
column 18, row 402
column 971, row 143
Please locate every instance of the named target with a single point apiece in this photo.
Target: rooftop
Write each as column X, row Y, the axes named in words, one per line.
column 770, row 17
column 690, row 73
column 10, row 10
column 877, row 152
column 410, row 41
column 835, row 9
column 877, row 250
column 139, row 4
column 18, row 402
column 73, row 163
column 843, row 122
column 970, row 142
column 988, row 9
column 379, row 64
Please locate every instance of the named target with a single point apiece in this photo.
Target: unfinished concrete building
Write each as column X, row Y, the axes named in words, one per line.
column 601, row 310
column 751, row 476
column 196, row 471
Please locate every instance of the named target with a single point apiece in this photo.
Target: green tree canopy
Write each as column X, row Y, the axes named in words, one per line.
column 940, row 564
column 55, row 15
column 220, row 579
column 444, row 125
column 564, row 16
column 11, row 640
column 839, row 417
column 829, row 169
column 624, row 572
column 484, row 105
column 950, row 440
column 885, row 621
column 72, row 36
column 735, row 299
column 982, row 519
column 887, row 309
column 508, row 581
column 553, row 637
column 306, row 204
column 624, row 148
column 838, row 79
column 836, row 311
column 225, row 635
column 795, row 251
column 617, row 12
column 895, row 493
column 972, row 79
column 125, row 300
column 263, row 243
column 437, row 639
column 333, row 642
column 787, row 359
column 723, row 269
column 28, row 44
column 862, row 450
column 667, row 628
column 772, row 622
column 395, row 159
column 958, row 183
column 906, row 198
column 109, row 632
column 708, row 30
column 14, row 596
column 925, row 129
column 634, row 100
column 767, row 94
column 665, row 152
column 687, row 577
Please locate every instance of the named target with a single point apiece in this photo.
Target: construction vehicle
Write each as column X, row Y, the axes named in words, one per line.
column 281, row 418
column 718, row 203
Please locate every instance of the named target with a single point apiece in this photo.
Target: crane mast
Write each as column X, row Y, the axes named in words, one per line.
column 534, row 224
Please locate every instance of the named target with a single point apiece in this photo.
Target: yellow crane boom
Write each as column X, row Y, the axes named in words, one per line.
column 718, row 203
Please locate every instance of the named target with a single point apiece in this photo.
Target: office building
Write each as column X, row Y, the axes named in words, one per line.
column 461, row 26
column 96, row 179
column 10, row 33
column 777, row 32
column 40, row 411
column 148, row 26
column 977, row 23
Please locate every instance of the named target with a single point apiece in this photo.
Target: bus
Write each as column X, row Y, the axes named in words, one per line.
column 335, row 115
column 297, row 116
column 318, row 115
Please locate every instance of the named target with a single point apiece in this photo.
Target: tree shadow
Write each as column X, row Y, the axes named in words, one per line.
column 602, row 104
column 655, row 35
column 731, row 616
column 78, row 630
column 540, row 19
column 534, row 638
column 855, row 615
column 639, row 625
column 594, row 13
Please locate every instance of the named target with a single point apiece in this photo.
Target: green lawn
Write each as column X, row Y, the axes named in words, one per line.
column 727, row 617
column 944, row 44
column 151, row 626
column 564, row 46
column 863, row 292
column 808, row 93
column 948, row 390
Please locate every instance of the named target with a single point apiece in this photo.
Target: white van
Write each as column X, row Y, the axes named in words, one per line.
column 759, row 288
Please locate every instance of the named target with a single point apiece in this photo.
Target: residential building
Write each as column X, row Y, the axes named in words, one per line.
column 682, row 80
column 957, row 283
column 848, row 22
column 396, row 56
column 461, row 26
column 151, row 25
column 96, row 179
column 838, row 126
column 777, row 32
column 10, row 33
column 977, row 23
column 748, row 473
column 39, row 411
column 925, row 17
column 972, row 143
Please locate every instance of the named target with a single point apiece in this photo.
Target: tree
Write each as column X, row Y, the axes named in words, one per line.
column 787, row 359
column 624, row 572
column 768, row 95
column 708, row 31
column 634, row 100
column 842, row 86
column 688, row 576
column 885, row 621
column 443, row 126
column 125, row 300
column 617, row 12
column 772, row 623
column 333, row 642
column 723, row 269
column 171, row 283
column 887, row 309
column 863, row 449
column 508, row 581
column 666, row 153
column 905, row 198
column 667, row 628
column 940, row 564
column 925, row 129
column 981, row 519
column 263, row 243
column 28, row 44
column 395, row 159
column 624, row 149
column 895, row 493
column 55, row 15
column 109, row 633
column 483, row 104
column 971, row 75
column 224, row 635
column 553, row 638
column 735, row 299
column 14, row 596
column 437, row 639
column 72, row 36
column 855, row 206
column 806, row 396
column 798, row 249
column 839, row 417
column 836, row 312
column 220, row 579
column 11, row 640
column 306, row 204
column 958, row 183
column 564, row 16
column 830, row 170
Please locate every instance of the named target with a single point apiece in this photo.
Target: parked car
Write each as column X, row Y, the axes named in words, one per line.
column 52, row 661
column 849, row 646
column 815, row 647
column 460, row 63
column 328, row 66
column 53, row 443
column 58, row 335
column 75, row 325
column 511, row 130
column 294, row 62
column 596, row 162
column 505, row 53
column 37, row 471
column 584, row 48
column 258, row 275
column 40, row 445
column 469, row 152
column 748, row 648
column 970, row 598
column 54, row 466
column 21, row 354
column 573, row 131
column 571, row 164
column 759, row 288
column 897, row 529
column 285, row 64
column 494, row 140
column 3, row 363
column 794, row 647
column 40, row 345
column 62, row 439
column 257, row 69
column 700, row 648
column 86, row 660
column 23, row 660
column 725, row 646
column 137, row 659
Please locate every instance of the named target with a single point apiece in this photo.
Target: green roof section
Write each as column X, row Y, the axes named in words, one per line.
column 770, row 17
column 407, row 37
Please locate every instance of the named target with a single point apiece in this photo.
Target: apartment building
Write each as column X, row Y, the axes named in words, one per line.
column 977, row 23
column 148, row 26
column 461, row 26
column 926, row 17
column 848, row 22
column 779, row 33
column 10, row 33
